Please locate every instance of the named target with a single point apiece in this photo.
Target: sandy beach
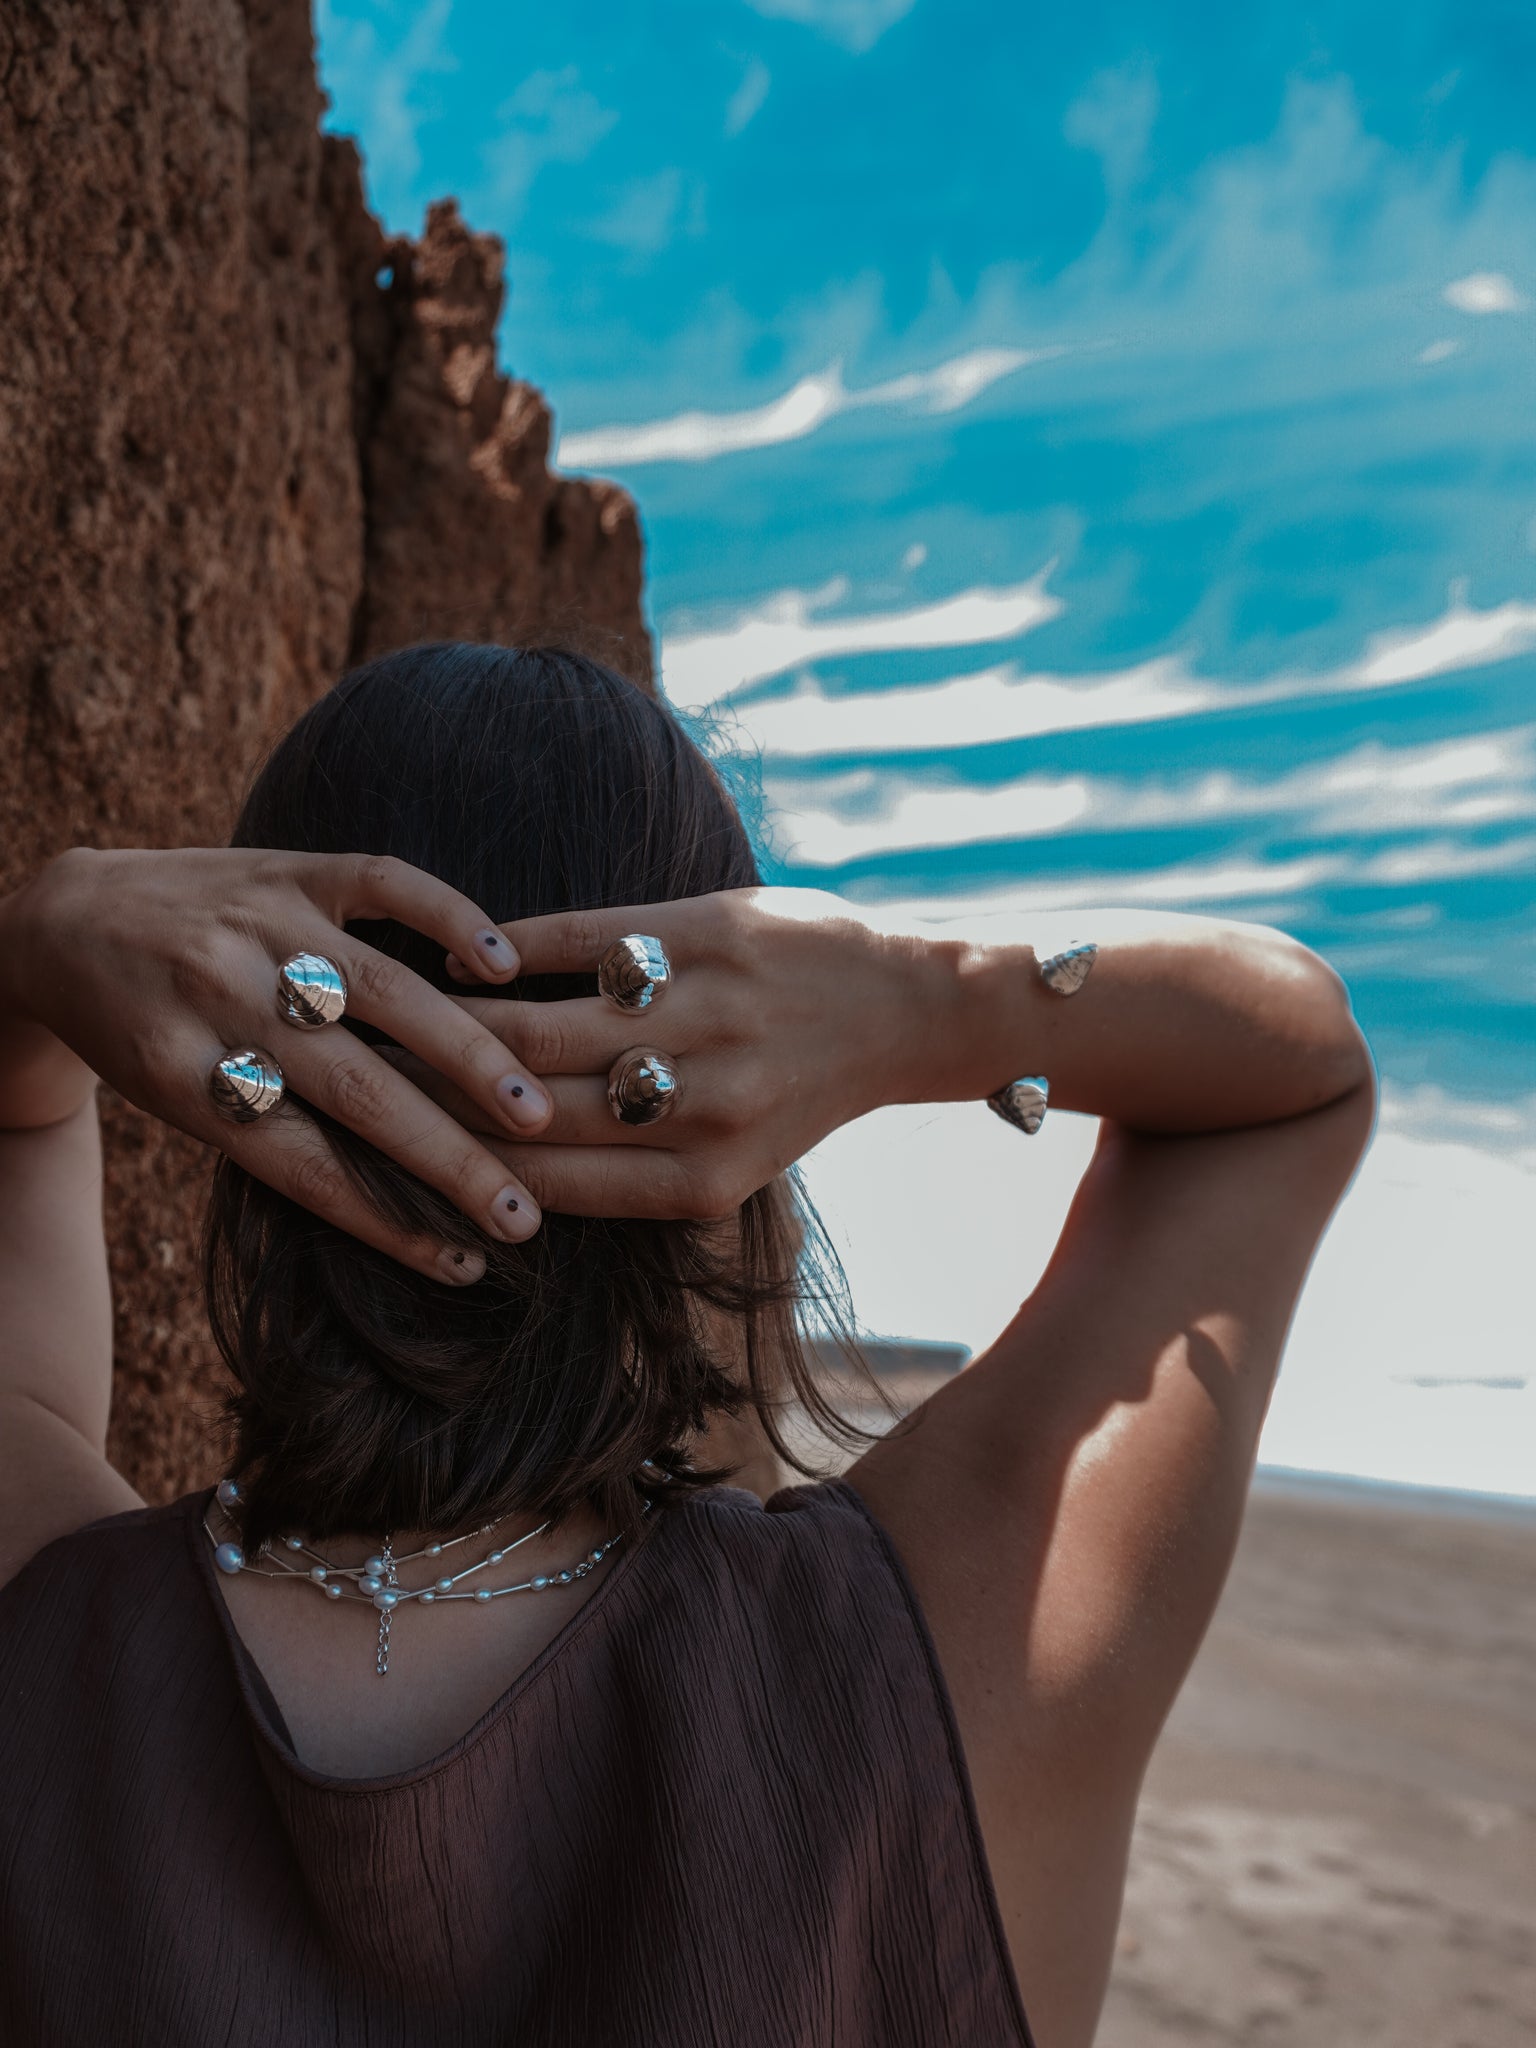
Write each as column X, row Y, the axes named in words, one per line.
column 1337, row 1843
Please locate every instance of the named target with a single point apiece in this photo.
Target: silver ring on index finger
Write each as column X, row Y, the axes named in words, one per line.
column 633, row 971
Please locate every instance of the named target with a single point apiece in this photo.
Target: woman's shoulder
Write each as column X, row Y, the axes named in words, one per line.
column 113, row 1556
column 812, row 1561
column 790, row 1531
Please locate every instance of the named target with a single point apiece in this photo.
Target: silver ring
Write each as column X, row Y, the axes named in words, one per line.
column 633, row 971
column 1022, row 1103
column 311, row 991
column 246, row 1084
column 1066, row 972
column 643, row 1086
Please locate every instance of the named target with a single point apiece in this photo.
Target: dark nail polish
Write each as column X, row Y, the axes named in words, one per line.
column 491, row 939
column 511, row 1205
column 517, row 1088
column 458, row 1258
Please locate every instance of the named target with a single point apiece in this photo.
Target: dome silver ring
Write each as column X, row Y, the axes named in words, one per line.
column 311, row 991
column 643, row 1086
column 246, row 1085
column 633, row 971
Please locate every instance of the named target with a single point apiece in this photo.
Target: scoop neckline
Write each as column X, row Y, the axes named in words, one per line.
column 243, row 1662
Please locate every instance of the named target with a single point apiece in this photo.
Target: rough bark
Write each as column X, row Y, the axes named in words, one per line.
column 244, row 439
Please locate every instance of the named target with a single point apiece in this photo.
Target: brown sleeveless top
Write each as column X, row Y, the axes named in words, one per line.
column 725, row 1808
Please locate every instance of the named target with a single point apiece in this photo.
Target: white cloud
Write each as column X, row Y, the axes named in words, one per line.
column 915, row 556
column 1427, row 1112
column 1007, row 703
column 1184, row 885
column 746, row 101
column 966, row 711
column 1484, row 291
column 1489, row 778
column 1266, row 890
column 1439, row 351
column 702, row 668
column 857, row 24
column 1448, row 860
column 1460, row 638
column 551, row 118
column 704, row 436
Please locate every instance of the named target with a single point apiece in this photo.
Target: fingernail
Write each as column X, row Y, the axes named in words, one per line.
column 457, row 971
column 462, row 1268
column 514, row 1216
column 497, row 951
column 523, row 1101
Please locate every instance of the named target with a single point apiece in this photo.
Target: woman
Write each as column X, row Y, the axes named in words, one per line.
column 859, row 1767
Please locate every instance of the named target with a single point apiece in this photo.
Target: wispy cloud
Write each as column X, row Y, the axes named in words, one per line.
column 702, row 668
column 551, row 118
column 704, row 436
column 1440, row 351
column 857, row 24
column 1504, row 1128
column 1003, row 703
column 1009, row 703
column 645, row 215
column 1260, row 886
column 1484, row 291
column 382, row 94
column 1483, row 780
column 1181, row 886
column 1462, row 637
column 746, row 101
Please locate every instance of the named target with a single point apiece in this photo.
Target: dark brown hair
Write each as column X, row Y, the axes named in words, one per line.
column 369, row 1398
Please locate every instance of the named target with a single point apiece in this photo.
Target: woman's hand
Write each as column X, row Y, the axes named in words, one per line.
column 791, row 1012
column 150, row 967
column 788, row 1013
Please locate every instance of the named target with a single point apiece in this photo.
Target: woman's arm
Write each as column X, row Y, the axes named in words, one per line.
column 55, row 1301
column 1067, row 1507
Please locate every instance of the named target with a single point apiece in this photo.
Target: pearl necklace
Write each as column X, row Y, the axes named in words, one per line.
column 375, row 1580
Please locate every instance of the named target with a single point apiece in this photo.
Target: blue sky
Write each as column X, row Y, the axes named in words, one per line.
column 1227, row 323
column 1085, row 455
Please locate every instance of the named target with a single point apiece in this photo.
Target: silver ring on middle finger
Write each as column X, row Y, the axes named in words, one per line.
column 643, row 1086
column 311, row 991
column 633, row 971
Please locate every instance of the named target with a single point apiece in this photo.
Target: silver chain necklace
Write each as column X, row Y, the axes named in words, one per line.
column 376, row 1579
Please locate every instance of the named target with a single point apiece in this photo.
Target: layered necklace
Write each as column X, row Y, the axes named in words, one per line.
column 376, row 1578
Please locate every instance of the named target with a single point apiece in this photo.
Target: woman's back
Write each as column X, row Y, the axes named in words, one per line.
column 466, row 1280
column 726, row 1804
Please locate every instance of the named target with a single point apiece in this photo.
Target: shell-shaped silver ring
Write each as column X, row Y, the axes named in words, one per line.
column 1065, row 972
column 311, row 991
column 246, row 1084
column 633, row 971
column 643, row 1086
column 1022, row 1103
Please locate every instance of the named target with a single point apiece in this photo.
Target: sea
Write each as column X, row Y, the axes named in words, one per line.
column 1084, row 460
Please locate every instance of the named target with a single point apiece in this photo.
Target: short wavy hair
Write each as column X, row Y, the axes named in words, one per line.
column 581, row 1369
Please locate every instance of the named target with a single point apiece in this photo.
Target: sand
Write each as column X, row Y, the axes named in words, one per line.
column 1337, row 1842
